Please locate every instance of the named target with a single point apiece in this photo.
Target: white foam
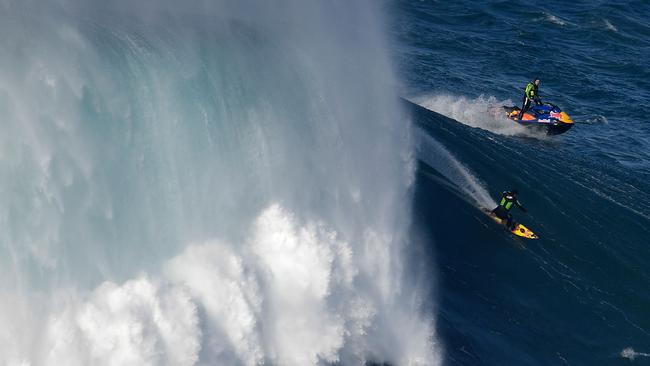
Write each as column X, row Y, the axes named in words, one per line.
column 217, row 279
column 596, row 119
column 609, row 26
column 555, row 20
column 631, row 355
column 290, row 295
column 284, row 301
column 482, row 112
column 137, row 323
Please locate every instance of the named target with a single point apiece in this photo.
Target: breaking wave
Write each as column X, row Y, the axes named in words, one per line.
column 228, row 185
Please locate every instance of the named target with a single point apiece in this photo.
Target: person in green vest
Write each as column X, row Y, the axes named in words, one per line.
column 508, row 201
column 530, row 94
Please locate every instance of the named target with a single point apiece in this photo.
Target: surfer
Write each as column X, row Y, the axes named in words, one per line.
column 502, row 211
column 530, row 94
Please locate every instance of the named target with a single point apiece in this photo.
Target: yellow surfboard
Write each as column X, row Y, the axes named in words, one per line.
column 519, row 230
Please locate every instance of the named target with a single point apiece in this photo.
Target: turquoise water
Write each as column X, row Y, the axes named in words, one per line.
column 204, row 184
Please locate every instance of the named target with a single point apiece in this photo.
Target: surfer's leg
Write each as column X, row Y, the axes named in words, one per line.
column 501, row 213
column 510, row 224
column 524, row 107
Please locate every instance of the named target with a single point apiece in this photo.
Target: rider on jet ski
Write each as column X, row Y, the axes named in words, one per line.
column 530, row 94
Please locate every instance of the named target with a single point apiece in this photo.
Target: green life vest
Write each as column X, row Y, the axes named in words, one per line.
column 507, row 203
column 531, row 91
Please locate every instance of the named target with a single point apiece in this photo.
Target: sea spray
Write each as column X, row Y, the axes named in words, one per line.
column 484, row 112
column 227, row 185
column 434, row 154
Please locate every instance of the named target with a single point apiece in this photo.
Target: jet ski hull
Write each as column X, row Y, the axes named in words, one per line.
column 547, row 118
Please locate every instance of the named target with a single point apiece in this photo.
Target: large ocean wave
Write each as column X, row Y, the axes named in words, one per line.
column 221, row 186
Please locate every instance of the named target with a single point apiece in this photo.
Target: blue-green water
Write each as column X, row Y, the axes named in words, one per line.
column 579, row 294
column 221, row 183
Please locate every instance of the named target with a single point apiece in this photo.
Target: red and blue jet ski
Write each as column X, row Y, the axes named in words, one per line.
column 546, row 117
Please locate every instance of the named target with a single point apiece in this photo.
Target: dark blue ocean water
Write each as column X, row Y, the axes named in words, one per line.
column 592, row 58
column 580, row 294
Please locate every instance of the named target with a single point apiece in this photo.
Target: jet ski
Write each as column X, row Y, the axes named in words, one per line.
column 546, row 117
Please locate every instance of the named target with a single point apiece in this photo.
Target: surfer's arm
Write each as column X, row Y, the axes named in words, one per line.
column 521, row 207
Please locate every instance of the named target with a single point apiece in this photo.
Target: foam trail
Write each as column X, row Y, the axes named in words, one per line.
column 631, row 355
column 214, row 183
column 609, row 26
column 554, row 19
column 483, row 112
column 439, row 158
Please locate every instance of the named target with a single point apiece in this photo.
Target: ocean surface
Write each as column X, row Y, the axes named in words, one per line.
column 578, row 295
column 301, row 183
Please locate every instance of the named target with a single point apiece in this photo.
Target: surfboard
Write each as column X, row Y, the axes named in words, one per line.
column 519, row 230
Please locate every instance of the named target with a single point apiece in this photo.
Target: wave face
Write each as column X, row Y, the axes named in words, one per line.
column 571, row 297
column 228, row 185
